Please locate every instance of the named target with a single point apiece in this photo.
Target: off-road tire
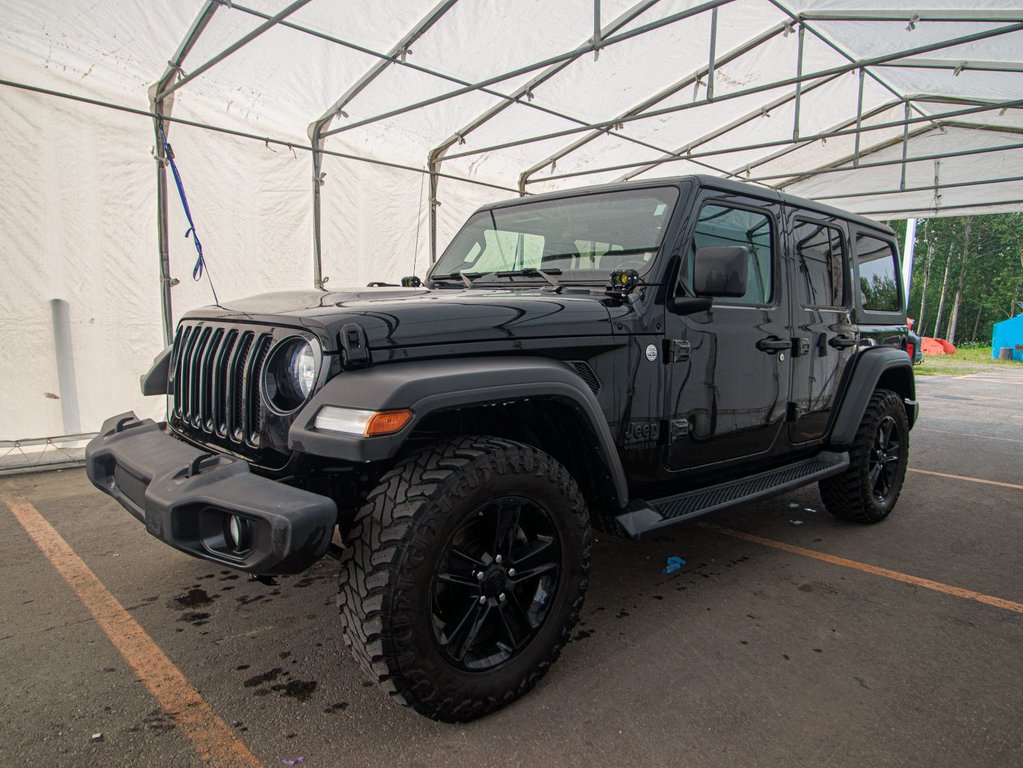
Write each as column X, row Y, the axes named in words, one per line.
column 851, row 495
column 397, row 536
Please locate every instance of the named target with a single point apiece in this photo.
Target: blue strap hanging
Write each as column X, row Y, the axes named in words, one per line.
column 200, row 262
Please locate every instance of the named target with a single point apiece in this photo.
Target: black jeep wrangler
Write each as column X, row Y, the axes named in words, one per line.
column 622, row 357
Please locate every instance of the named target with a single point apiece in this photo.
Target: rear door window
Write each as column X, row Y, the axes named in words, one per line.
column 877, row 274
column 820, row 265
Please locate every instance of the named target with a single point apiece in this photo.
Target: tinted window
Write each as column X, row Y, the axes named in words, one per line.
column 585, row 237
column 879, row 283
column 820, row 261
column 721, row 226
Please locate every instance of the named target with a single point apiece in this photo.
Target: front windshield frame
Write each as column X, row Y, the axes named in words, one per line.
column 580, row 239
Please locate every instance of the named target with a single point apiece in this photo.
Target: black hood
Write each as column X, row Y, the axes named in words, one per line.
column 401, row 317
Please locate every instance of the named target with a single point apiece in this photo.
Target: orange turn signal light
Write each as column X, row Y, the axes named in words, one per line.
column 387, row 422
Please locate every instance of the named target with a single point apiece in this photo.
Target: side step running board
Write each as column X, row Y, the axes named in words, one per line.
column 642, row 516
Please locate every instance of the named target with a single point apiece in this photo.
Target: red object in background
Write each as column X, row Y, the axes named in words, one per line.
column 910, row 350
column 931, row 346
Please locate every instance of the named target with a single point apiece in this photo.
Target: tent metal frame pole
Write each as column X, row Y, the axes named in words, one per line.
column 859, row 117
column 839, row 128
column 525, row 70
column 396, row 61
column 160, row 106
column 597, row 130
column 833, row 46
column 436, row 155
column 264, row 140
column 235, row 46
column 966, row 65
column 904, row 212
column 799, row 83
column 925, row 188
column 711, row 56
column 601, row 127
column 958, row 15
column 905, row 147
column 317, row 127
column 803, row 175
column 685, row 153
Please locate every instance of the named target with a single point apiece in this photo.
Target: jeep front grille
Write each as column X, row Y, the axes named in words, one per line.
column 215, row 381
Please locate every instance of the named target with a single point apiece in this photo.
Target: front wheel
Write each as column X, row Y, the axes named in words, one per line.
column 464, row 574
column 868, row 490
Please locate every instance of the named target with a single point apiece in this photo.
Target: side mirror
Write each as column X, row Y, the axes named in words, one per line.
column 721, row 270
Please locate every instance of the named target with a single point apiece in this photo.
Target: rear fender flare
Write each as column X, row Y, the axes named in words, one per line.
column 868, row 369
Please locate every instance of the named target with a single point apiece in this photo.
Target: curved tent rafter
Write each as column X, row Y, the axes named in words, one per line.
column 730, row 145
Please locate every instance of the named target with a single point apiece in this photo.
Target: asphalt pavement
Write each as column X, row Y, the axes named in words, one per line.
column 809, row 642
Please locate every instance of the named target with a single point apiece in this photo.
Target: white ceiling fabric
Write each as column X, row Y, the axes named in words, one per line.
column 80, row 218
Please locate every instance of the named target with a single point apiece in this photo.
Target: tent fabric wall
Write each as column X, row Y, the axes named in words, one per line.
column 79, row 200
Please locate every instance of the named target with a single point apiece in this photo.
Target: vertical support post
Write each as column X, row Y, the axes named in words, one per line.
column 158, row 107
column 433, row 165
column 596, row 23
column 67, row 385
column 713, row 53
column 859, row 122
column 316, row 141
column 905, row 148
column 799, row 83
column 907, row 257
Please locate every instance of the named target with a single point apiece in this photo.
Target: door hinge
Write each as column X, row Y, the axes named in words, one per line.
column 676, row 350
column 800, row 347
column 677, row 429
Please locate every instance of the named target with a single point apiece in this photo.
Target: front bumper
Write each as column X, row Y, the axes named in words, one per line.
column 186, row 496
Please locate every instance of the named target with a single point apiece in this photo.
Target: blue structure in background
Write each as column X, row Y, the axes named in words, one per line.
column 1008, row 333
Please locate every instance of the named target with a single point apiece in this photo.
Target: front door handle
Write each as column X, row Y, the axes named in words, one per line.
column 773, row 344
column 841, row 342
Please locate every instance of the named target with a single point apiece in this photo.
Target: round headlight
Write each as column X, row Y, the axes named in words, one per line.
column 303, row 368
column 290, row 374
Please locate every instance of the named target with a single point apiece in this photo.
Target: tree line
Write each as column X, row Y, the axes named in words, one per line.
column 967, row 275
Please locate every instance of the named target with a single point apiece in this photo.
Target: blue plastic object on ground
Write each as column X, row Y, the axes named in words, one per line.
column 674, row 564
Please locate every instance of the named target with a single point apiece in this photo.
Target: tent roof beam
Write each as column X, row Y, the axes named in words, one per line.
column 650, row 114
column 525, row 70
column 840, row 131
column 235, row 46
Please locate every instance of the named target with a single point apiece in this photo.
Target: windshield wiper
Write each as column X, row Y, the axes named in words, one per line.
column 534, row 272
column 464, row 278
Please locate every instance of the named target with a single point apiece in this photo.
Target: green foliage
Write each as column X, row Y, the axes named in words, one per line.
column 993, row 281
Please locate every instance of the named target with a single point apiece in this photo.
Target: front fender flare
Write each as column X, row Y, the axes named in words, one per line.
column 430, row 386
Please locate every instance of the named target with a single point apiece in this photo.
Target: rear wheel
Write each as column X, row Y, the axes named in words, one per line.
column 464, row 574
column 868, row 490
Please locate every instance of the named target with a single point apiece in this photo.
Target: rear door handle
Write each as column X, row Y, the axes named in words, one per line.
column 841, row 342
column 774, row 344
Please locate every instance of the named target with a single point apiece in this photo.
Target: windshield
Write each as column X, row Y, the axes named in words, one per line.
column 581, row 238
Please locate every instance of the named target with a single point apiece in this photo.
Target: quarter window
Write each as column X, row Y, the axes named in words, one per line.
column 719, row 225
column 820, row 259
column 878, row 274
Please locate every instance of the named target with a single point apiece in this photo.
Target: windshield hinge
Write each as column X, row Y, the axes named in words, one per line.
column 354, row 349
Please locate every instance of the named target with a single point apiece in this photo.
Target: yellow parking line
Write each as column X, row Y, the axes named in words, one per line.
column 887, row 573
column 967, row 479
column 215, row 742
column 966, row 434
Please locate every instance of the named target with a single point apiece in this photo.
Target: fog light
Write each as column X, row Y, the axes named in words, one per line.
column 237, row 532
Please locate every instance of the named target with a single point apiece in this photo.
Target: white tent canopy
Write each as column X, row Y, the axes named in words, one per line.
column 325, row 140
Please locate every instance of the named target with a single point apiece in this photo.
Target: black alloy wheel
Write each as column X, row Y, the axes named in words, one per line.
column 464, row 573
column 867, row 491
column 885, row 459
column 497, row 578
